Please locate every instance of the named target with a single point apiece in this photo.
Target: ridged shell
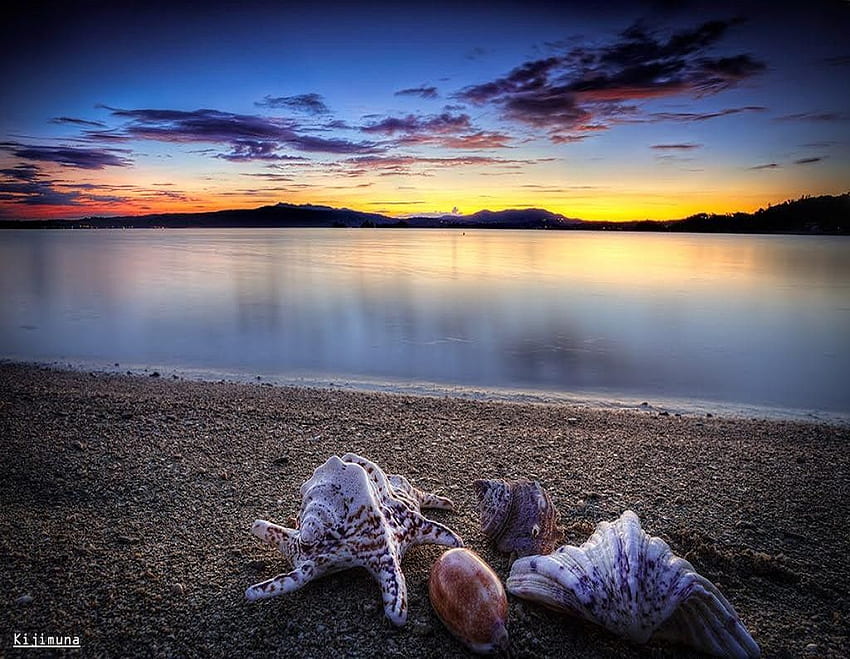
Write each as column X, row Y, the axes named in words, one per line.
column 354, row 515
column 470, row 600
column 633, row 585
column 518, row 516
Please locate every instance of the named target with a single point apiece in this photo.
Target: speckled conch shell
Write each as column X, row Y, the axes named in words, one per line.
column 518, row 516
column 633, row 585
column 470, row 600
column 354, row 515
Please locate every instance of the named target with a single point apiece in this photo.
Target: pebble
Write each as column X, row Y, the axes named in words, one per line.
column 188, row 521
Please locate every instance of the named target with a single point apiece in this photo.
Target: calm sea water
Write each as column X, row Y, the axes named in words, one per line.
column 750, row 320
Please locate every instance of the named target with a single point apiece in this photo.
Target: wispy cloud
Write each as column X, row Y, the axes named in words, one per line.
column 309, row 103
column 250, row 137
column 769, row 165
column 77, row 122
column 807, row 161
column 423, row 92
column 453, row 131
column 685, row 146
column 815, row 116
column 440, row 123
column 67, row 156
column 700, row 116
column 593, row 85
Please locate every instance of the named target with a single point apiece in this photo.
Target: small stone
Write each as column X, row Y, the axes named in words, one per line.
column 127, row 540
column 177, row 589
column 24, row 600
column 812, row 649
column 155, row 374
column 77, row 444
column 572, row 420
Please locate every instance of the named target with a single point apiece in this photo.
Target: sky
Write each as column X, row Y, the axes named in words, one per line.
column 623, row 111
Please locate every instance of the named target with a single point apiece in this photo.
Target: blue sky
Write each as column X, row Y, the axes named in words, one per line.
column 635, row 110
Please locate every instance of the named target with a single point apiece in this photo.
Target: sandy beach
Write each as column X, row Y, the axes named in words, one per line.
column 126, row 504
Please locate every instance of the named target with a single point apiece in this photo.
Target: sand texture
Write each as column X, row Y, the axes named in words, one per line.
column 126, row 504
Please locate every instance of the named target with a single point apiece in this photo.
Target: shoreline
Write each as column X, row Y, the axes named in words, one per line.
column 127, row 503
column 658, row 404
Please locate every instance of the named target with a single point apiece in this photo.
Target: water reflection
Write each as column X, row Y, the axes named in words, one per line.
column 745, row 319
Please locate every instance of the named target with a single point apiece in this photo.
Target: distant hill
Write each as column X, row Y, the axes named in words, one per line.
column 527, row 218
column 819, row 215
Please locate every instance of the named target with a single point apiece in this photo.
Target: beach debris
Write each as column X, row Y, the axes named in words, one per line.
column 354, row 515
column 633, row 585
column 518, row 516
column 470, row 600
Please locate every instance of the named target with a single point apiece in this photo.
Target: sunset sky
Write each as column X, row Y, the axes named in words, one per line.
column 631, row 111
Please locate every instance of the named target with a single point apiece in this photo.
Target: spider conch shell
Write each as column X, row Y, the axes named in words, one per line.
column 518, row 516
column 470, row 600
column 634, row 586
column 354, row 515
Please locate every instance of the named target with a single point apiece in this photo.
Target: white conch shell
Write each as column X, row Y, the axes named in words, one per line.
column 354, row 515
column 634, row 586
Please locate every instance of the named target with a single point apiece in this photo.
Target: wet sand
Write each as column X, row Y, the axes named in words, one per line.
column 126, row 504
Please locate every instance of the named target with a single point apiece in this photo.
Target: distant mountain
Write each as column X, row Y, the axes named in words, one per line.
column 527, row 218
column 825, row 214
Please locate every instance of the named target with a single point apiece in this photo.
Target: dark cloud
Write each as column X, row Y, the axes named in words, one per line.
column 77, row 122
column 770, row 165
column 447, row 130
column 203, row 126
column 25, row 184
column 246, row 150
column 815, row 116
column 21, row 172
column 596, row 85
column 479, row 140
column 309, row 103
column 441, row 123
column 250, row 137
column 338, row 146
column 424, row 92
column 807, row 161
column 675, row 147
column 78, row 157
column 701, row 116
